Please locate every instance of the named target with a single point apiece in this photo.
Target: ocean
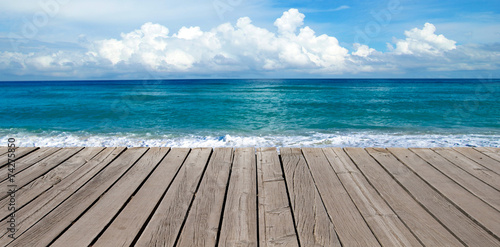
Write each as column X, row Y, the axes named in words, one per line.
column 248, row 113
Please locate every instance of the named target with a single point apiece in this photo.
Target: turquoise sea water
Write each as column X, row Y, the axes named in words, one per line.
column 337, row 112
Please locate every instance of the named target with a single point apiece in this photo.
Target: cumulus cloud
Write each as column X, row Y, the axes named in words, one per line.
column 362, row 50
column 245, row 47
column 243, row 43
column 424, row 42
column 290, row 21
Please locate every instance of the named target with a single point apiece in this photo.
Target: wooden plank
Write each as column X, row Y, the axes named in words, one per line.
column 483, row 213
column 202, row 223
column 166, row 222
column 314, row 227
column 470, row 166
column 494, row 149
column 350, row 225
column 87, row 227
column 489, row 152
column 426, row 228
column 276, row 226
column 480, row 158
column 455, row 220
column 385, row 224
column 129, row 222
column 18, row 153
column 26, row 161
column 29, row 192
column 475, row 186
column 50, row 226
column 239, row 224
column 52, row 198
column 40, row 168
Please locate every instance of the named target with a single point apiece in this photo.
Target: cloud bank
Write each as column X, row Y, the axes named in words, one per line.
column 228, row 49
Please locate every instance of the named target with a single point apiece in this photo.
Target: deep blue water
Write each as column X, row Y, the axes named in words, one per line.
column 337, row 112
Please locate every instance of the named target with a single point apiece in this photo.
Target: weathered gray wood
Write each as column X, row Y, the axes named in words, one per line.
column 477, row 187
column 202, row 222
column 28, row 160
column 40, row 168
column 440, row 197
column 276, row 226
column 490, row 152
column 239, row 221
column 480, row 158
column 42, row 205
column 86, row 228
column 428, row 230
column 470, row 166
column 50, row 226
column 314, row 227
column 131, row 219
column 3, row 150
column 493, row 149
column 165, row 225
column 16, row 155
column 456, row 221
column 384, row 223
column 350, row 225
column 29, row 192
column 483, row 213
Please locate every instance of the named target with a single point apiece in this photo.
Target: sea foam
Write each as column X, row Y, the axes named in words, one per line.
column 359, row 139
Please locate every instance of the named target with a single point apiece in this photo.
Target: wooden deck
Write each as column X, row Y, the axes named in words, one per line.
column 253, row 197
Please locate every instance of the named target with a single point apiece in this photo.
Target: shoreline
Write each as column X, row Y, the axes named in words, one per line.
column 363, row 139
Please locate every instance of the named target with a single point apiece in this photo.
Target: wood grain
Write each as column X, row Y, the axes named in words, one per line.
column 303, row 197
column 453, row 218
column 33, row 172
column 86, row 228
column 314, row 226
column 52, row 198
column 275, row 217
column 202, row 223
column 480, row 158
column 239, row 224
column 475, row 186
column 490, row 152
column 32, row 190
column 166, row 222
column 483, row 213
column 131, row 219
column 18, row 153
column 54, row 223
column 470, row 166
column 425, row 227
column 352, row 228
column 385, row 224
column 28, row 160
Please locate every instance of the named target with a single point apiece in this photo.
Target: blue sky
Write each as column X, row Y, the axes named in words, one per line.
column 129, row 39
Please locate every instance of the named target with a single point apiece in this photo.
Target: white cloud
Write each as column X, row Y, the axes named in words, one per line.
column 246, row 48
column 189, row 33
column 424, row 42
column 362, row 50
column 244, row 43
column 290, row 21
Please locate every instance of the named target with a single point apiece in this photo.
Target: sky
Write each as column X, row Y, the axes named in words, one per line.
column 152, row 39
